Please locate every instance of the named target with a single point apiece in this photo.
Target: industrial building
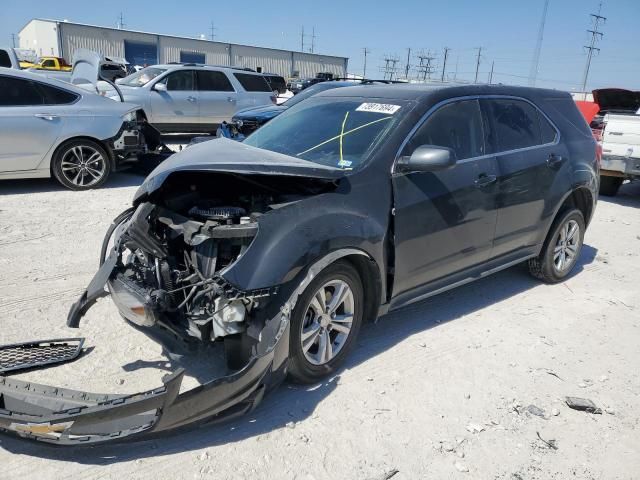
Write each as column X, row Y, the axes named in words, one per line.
column 63, row 38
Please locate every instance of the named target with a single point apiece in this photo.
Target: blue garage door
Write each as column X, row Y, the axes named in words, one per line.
column 192, row 57
column 139, row 53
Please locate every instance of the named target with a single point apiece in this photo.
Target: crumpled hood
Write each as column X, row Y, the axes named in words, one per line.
column 225, row 155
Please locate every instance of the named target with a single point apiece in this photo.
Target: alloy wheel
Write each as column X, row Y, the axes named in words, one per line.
column 83, row 166
column 327, row 322
column 567, row 246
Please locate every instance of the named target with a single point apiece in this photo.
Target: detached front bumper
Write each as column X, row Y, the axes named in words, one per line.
column 69, row 417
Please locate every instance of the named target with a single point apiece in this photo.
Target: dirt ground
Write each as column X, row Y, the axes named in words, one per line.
column 439, row 390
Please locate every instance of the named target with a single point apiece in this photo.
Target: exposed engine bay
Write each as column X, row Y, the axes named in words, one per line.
column 172, row 253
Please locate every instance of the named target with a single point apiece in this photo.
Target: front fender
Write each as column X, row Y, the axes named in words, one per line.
column 294, row 237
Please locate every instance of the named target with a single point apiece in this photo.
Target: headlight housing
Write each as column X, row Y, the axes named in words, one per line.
column 129, row 117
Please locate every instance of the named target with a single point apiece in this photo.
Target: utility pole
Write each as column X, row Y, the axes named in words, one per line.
column 313, row 39
column 444, row 63
column 536, row 53
column 13, row 39
column 407, row 66
column 120, row 21
column 455, row 74
column 478, row 64
column 491, row 73
column 213, row 29
column 366, row 51
column 302, row 40
column 595, row 33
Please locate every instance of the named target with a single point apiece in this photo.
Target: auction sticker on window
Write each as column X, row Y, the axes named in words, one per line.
column 386, row 108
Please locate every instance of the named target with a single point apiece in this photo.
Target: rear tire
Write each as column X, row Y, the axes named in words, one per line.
column 325, row 323
column 81, row 165
column 561, row 249
column 609, row 185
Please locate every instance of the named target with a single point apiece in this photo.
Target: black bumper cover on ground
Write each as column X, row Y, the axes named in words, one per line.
column 68, row 417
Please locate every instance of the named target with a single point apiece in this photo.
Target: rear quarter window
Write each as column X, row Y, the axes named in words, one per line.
column 56, row 96
column 18, row 92
column 252, row 83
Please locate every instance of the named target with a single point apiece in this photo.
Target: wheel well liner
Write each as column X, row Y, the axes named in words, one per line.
column 371, row 283
column 580, row 198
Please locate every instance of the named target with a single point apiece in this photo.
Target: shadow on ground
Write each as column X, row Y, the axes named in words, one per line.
column 292, row 403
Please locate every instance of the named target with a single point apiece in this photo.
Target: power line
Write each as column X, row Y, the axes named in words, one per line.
column 536, row 54
column 594, row 37
column 478, row 64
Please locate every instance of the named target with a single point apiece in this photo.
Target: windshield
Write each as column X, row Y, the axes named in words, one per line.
column 141, row 78
column 330, row 131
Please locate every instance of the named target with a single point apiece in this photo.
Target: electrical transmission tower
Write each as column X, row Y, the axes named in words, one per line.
column 212, row 29
column 425, row 68
column 120, row 21
column 390, row 66
column 313, row 39
column 595, row 34
column 536, row 53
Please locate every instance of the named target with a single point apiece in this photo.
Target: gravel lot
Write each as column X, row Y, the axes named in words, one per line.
column 438, row 390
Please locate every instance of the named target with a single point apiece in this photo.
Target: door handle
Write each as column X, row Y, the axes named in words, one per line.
column 484, row 180
column 191, row 99
column 554, row 161
column 46, row 116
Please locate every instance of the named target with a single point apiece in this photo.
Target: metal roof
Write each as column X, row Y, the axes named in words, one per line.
column 176, row 36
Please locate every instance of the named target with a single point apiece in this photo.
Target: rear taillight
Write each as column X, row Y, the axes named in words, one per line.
column 598, row 153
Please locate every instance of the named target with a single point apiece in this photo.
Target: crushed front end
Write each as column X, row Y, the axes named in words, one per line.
column 163, row 264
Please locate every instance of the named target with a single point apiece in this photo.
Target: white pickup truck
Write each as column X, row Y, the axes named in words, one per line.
column 620, row 152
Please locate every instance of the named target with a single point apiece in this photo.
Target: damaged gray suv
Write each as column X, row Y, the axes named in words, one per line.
column 355, row 202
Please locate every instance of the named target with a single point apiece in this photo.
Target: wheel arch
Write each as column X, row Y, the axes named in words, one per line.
column 102, row 144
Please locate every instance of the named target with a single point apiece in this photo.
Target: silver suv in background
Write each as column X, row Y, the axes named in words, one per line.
column 193, row 98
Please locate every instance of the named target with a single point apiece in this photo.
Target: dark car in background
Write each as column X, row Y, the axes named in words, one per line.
column 353, row 203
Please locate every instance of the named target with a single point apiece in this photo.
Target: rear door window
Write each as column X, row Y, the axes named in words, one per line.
column 515, row 124
column 211, row 81
column 252, row 83
column 179, row 81
column 56, row 96
column 18, row 92
column 456, row 125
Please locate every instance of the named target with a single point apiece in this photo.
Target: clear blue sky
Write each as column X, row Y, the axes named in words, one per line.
column 506, row 29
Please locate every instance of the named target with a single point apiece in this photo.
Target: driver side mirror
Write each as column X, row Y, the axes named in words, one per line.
column 428, row 158
column 160, row 87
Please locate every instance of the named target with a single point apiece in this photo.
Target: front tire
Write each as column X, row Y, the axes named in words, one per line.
column 562, row 248
column 81, row 165
column 325, row 323
column 609, row 186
